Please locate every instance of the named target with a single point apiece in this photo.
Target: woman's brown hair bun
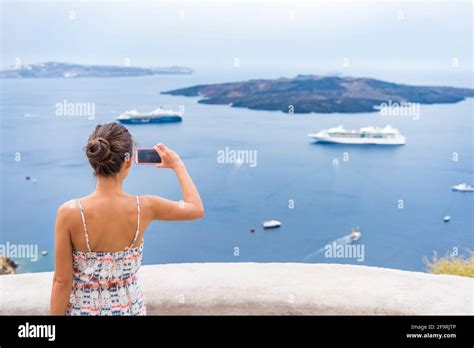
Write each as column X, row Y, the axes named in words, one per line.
column 98, row 151
column 108, row 147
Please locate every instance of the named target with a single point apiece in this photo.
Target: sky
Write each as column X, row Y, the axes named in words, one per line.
column 421, row 35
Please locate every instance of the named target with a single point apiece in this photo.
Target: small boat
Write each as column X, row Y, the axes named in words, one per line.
column 463, row 187
column 29, row 178
column 355, row 235
column 44, row 253
column 447, row 218
column 271, row 224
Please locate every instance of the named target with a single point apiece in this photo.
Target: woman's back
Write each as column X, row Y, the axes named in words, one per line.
column 111, row 222
column 104, row 279
column 99, row 238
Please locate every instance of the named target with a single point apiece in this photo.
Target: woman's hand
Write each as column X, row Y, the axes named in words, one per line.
column 190, row 207
column 169, row 158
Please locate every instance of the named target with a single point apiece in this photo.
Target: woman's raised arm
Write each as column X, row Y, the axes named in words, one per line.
column 191, row 207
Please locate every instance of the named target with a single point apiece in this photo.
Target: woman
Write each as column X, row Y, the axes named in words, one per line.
column 98, row 248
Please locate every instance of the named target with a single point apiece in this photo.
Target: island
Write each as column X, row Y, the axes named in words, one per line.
column 320, row 94
column 69, row 70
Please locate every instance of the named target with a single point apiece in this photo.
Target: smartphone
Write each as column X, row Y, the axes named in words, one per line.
column 147, row 156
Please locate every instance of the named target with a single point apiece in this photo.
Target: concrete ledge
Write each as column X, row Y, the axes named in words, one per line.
column 269, row 288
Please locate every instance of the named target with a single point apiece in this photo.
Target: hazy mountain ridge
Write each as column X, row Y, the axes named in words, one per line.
column 69, row 70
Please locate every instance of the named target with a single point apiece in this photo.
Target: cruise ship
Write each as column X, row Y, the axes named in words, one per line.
column 463, row 187
column 159, row 115
column 367, row 135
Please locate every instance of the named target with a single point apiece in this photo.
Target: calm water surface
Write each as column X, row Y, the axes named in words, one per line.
column 328, row 200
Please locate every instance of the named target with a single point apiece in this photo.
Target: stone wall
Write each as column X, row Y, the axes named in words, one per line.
column 269, row 288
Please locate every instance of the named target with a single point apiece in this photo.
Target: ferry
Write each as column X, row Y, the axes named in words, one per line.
column 159, row 115
column 367, row 135
column 463, row 187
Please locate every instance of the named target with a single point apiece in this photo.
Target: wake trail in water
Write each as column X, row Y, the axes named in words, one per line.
column 340, row 241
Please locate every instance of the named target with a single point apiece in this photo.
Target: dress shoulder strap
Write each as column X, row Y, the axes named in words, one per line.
column 138, row 224
column 85, row 226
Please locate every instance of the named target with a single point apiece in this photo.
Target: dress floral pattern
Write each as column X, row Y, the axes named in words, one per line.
column 106, row 283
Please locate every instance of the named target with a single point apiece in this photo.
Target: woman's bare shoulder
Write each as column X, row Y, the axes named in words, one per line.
column 144, row 201
column 149, row 199
column 67, row 208
column 149, row 202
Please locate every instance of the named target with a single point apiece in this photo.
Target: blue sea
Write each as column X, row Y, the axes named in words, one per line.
column 396, row 196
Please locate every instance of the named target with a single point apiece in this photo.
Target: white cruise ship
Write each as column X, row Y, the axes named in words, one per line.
column 368, row 135
column 159, row 115
column 463, row 187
